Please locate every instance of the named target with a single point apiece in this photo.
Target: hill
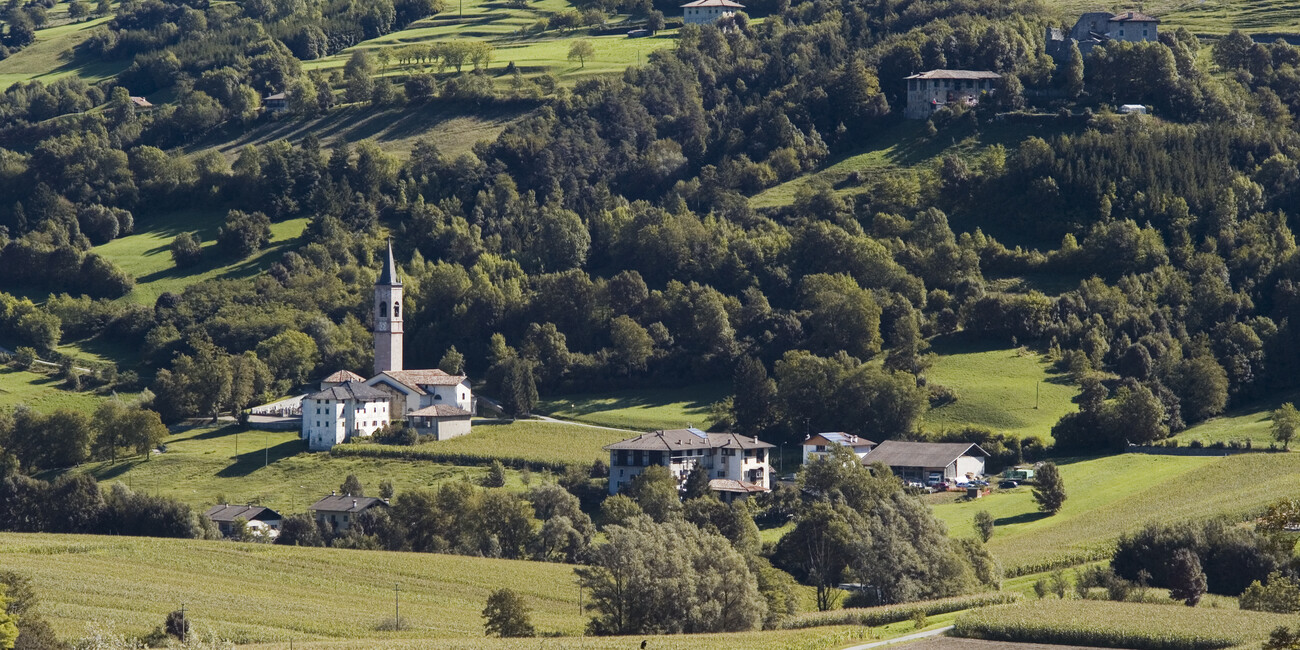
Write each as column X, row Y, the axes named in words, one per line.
column 1112, row 495
column 640, row 409
column 50, row 57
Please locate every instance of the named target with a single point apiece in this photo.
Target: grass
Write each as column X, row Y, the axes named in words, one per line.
column 1111, row 495
column 644, row 409
column 273, row 469
column 1011, row 391
column 534, row 440
column 50, row 57
column 146, row 254
column 810, row 639
column 42, row 392
column 1118, row 625
column 1251, row 422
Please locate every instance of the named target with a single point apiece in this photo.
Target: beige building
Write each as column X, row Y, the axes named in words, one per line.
column 338, row 413
column 707, row 12
column 741, row 463
column 820, row 444
column 929, row 91
column 442, row 421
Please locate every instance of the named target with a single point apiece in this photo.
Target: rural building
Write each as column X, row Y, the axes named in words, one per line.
column 929, row 91
column 337, row 512
column 335, row 414
column 929, row 462
column 739, row 462
column 431, row 401
column 1133, row 109
column 1098, row 27
column 442, row 421
column 141, row 104
column 263, row 522
column 277, row 103
column 706, row 12
column 819, row 445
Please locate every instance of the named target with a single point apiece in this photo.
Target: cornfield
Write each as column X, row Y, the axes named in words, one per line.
column 1118, row 625
column 886, row 614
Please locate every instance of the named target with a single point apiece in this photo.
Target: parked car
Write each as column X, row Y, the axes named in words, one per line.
column 1007, row 485
column 978, row 483
column 941, row 486
column 638, row 33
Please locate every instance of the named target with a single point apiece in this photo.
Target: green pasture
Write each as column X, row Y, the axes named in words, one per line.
column 42, row 392
column 1012, row 391
column 1111, row 495
column 1202, row 17
column 273, row 468
column 146, row 254
column 51, row 56
column 645, row 409
column 1251, row 422
column 555, row 442
column 814, row 638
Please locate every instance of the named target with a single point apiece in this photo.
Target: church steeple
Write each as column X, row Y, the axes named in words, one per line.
column 388, row 317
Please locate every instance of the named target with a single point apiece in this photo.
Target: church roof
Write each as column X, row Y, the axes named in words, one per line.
column 441, row 411
column 340, row 376
column 388, row 276
column 417, row 378
column 351, row 390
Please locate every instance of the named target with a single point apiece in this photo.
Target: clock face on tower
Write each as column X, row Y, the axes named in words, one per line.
column 381, row 326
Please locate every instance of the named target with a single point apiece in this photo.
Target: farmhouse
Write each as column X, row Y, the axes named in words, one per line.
column 335, row 414
column 1098, row 27
column 263, row 522
column 737, row 465
column 432, row 401
column 929, row 462
column 929, row 91
column 277, row 103
column 337, row 512
column 706, row 12
column 819, row 445
column 141, row 104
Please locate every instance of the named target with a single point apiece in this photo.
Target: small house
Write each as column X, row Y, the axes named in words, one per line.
column 141, row 104
column 707, row 12
column 929, row 91
column 261, row 521
column 820, row 444
column 442, row 421
column 929, row 462
column 1133, row 109
column 277, row 103
column 337, row 512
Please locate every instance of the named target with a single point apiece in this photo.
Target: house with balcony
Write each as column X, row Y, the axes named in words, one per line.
column 929, row 91
column 820, row 444
column 336, row 513
column 737, row 465
column 343, row 411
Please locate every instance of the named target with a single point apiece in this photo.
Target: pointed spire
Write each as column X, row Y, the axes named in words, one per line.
column 389, row 275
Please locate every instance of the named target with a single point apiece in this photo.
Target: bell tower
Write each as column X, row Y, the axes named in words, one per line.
column 388, row 317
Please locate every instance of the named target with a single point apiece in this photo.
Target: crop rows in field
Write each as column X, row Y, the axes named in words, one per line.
column 875, row 616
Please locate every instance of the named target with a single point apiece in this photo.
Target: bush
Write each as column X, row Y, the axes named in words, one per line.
column 507, row 615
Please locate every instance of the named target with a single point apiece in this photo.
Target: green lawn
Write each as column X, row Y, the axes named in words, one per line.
column 1115, row 494
column 534, row 440
column 1011, row 391
column 273, row 469
column 640, row 409
column 146, row 254
column 50, row 56
column 41, row 392
column 1252, row 422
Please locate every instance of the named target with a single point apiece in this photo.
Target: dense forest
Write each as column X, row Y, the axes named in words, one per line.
column 607, row 238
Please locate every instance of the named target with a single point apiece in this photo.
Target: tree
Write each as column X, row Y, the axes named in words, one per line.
column 1280, row 595
column 654, row 21
column 103, row 7
column 452, row 362
column 633, row 346
column 352, row 487
column 1050, row 490
column 300, row 530
column 697, row 483
column 178, row 625
column 1187, row 580
column 244, row 233
column 386, row 489
column 496, row 476
column 619, row 510
column 187, row 250
column 581, row 49
column 8, row 623
column 507, row 615
column 1286, row 421
column 290, row 355
column 518, row 389
column 1071, row 74
column 984, row 525
column 655, row 490
column 77, row 10
column 754, row 399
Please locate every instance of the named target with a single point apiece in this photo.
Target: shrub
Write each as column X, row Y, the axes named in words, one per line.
column 507, row 615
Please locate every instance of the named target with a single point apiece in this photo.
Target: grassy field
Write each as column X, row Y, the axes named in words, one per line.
column 50, row 57
column 146, row 255
column 1012, row 391
column 1251, row 422
column 41, row 392
column 1112, row 495
column 273, row 469
column 534, row 440
column 640, row 409
column 1202, row 17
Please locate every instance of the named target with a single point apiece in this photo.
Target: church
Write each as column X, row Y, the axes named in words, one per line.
column 432, row 402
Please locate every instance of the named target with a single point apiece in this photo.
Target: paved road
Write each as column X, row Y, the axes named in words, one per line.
column 902, row 639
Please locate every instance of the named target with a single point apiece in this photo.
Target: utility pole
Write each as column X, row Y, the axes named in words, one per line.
column 185, row 626
column 266, row 449
column 1038, row 389
column 397, row 611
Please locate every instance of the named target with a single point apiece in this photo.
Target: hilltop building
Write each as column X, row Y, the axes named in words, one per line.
column 707, row 12
column 348, row 405
column 819, row 445
column 1099, row 27
column 929, row 91
column 929, row 462
column 737, row 465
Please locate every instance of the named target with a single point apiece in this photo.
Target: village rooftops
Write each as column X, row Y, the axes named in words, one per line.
column 838, row 438
column 226, row 513
column 1133, row 17
column 342, row 376
column 275, row 97
column 921, row 454
column 141, row 102
column 417, row 378
column 441, row 411
column 713, row 3
column 682, row 439
column 350, row 390
column 732, row 485
column 957, row 74
column 346, row 503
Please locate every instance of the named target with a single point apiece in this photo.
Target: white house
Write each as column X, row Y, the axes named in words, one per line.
column 819, row 445
column 335, row 513
column 929, row 91
column 335, row 414
column 442, row 421
column 929, row 462
column 1099, row 27
column 737, row 465
column 413, row 390
column 706, row 12
column 262, row 522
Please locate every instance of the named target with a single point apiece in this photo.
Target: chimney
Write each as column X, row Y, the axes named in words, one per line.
column 354, row 503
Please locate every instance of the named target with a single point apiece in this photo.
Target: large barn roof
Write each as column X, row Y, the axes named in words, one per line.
column 921, row 454
column 682, row 439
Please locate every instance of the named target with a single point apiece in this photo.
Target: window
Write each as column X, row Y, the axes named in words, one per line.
column 1144, row 33
column 1121, row 32
column 397, row 310
column 383, row 310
